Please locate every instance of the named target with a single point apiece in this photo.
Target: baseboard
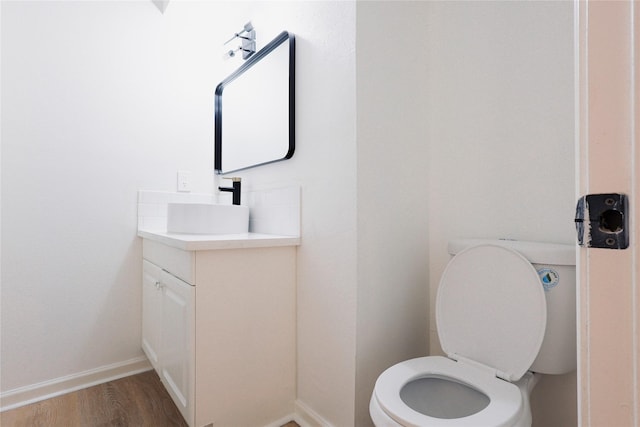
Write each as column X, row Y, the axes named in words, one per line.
column 307, row 417
column 282, row 421
column 56, row 387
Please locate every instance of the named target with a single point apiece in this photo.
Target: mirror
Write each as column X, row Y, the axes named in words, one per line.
column 255, row 109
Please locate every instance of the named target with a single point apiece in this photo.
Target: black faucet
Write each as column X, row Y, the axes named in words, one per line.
column 235, row 189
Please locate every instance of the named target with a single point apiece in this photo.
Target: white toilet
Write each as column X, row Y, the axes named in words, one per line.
column 505, row 313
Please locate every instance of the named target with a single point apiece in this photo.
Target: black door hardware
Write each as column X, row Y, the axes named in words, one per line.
column 602, row 221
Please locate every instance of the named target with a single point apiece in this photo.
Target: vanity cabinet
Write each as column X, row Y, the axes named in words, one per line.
column 219, row 329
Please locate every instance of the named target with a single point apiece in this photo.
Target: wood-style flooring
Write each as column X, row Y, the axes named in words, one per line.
column 136, row 401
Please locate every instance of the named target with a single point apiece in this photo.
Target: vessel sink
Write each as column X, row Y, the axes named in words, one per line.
column 207, row 218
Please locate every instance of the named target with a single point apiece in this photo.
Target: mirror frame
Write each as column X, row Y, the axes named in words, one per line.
column 254, row 59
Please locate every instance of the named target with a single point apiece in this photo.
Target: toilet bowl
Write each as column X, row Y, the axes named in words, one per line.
column 445, row 393
column 491, row 313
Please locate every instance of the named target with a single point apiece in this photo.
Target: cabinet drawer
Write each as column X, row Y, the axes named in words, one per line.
column 178, row 262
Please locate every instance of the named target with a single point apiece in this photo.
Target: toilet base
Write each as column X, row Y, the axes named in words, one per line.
column 525, row 384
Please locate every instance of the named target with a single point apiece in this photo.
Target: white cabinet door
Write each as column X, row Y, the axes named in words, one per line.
column 178, row 334
column 151, row 312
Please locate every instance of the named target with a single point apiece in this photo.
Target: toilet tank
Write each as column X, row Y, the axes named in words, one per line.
column 556, row 266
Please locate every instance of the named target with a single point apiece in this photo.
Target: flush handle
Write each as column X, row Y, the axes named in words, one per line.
column 602, row 221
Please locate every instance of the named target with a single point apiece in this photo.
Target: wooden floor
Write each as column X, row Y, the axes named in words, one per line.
column 135, row 401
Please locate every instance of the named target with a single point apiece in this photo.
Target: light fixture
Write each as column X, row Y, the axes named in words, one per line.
column 248, row 45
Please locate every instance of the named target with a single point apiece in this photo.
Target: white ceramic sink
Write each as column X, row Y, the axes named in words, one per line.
column 207, row 218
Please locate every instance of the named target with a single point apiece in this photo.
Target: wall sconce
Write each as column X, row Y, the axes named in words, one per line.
column 248, row 45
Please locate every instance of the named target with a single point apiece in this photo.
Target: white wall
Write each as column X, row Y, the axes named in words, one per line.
column 393, row 185
column 501, row 138
column 103, row 98
column 84, row 95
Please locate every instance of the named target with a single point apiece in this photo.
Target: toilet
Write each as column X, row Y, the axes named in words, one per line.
column 505, row 314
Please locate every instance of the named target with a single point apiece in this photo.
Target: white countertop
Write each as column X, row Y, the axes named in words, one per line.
column 205, row 242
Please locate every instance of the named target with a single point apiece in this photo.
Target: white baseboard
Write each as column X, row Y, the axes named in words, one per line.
column 282, row 421
column 307, row 417
column 56, row 387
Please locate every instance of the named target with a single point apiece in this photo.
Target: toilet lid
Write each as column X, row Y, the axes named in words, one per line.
column 491, row 309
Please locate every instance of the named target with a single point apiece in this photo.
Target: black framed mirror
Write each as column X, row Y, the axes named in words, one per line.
column 255, row 109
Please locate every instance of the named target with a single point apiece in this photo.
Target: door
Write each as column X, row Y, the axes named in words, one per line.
column 151, row 312
column 608, row 157
column 178, row 342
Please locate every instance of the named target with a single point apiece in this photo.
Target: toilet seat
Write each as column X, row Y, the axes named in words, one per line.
column 505, row 400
